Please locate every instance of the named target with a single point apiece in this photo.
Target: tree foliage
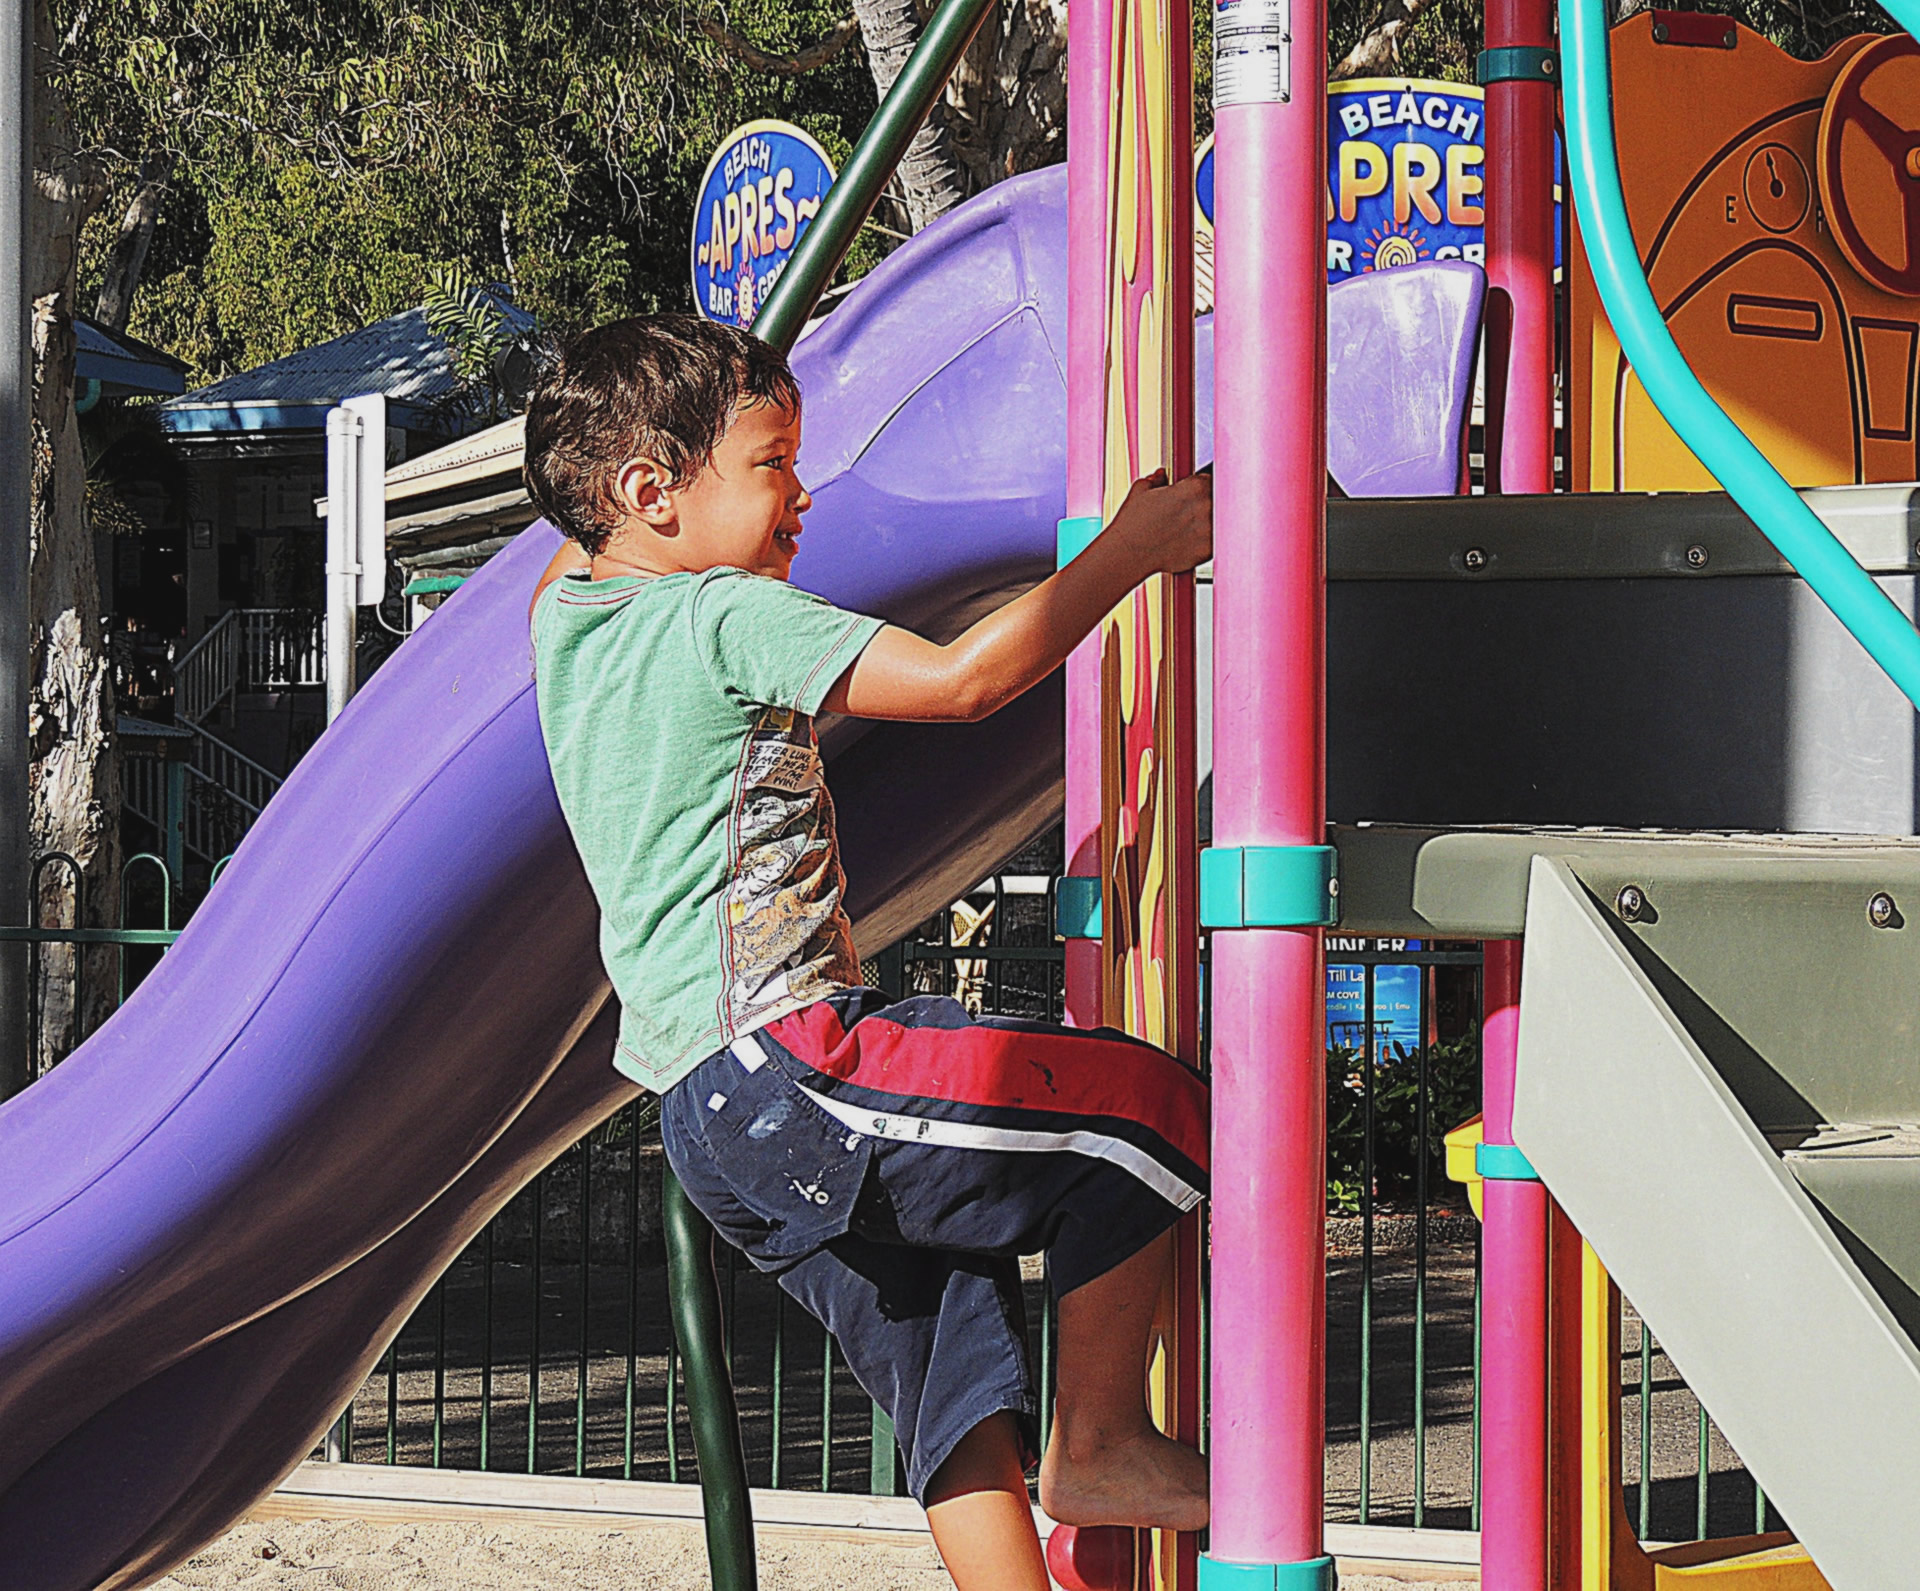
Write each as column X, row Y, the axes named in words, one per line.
column 322, row 159
column 327, row 157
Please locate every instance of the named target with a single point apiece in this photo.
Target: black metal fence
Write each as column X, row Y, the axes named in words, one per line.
column 547, row 1347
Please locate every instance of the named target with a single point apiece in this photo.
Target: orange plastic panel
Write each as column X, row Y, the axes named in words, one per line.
column 1870, row 164
column 1722, row 154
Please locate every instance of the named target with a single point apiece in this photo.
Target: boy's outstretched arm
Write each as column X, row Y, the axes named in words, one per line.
column 902, row 675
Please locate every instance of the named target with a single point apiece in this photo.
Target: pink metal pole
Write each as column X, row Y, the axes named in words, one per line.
column 1089, row 101
column 1268, row 1327
column 1519, row 195
column 1513, row 1396
column 1515, row 1495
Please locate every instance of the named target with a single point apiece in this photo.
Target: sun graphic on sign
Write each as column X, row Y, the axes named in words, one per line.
column 1396, row 243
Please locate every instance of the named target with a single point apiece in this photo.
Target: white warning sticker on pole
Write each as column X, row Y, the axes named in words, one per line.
column 1252, row 41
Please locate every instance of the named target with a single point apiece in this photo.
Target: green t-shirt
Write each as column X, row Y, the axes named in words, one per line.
column 678, row 716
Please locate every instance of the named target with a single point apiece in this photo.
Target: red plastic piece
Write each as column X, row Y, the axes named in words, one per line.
column 1701, row 29
column 1091, row 1557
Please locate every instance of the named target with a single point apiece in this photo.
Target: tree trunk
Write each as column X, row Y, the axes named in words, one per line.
column 1378, row 52
column 930, row 175
column 1007, row 104
column 74, row 777
column 129, row 257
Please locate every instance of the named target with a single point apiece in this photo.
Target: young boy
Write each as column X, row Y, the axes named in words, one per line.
column 887, row 1163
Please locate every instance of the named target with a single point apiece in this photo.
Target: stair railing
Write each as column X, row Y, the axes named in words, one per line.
column 283, row 647
column 248, row 783
column 208, row 672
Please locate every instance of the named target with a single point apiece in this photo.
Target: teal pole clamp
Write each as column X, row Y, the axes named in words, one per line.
column 1503, row 1163
column 1594, row 169
column 1315, row 1574
column 1076, row 908
column 1074, row 536
column 1519, row 63
column 1269, row 886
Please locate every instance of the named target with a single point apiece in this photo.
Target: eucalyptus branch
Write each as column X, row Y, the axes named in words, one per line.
column 814, row 55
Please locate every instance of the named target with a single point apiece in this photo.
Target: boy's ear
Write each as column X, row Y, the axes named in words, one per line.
column 642, row 488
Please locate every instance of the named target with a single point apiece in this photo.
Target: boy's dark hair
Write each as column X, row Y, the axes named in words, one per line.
column 661, row 387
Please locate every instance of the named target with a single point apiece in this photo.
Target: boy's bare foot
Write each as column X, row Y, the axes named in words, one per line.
column 1138, row 1478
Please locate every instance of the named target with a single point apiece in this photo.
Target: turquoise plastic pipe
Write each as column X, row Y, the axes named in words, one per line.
column 1867, row 612
column 1906, row 13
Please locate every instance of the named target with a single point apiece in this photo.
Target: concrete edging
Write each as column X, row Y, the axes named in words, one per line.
column 406, row 1493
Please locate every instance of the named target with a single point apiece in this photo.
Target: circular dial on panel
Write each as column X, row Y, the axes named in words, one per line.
column 1778, row 189
column 1869, row 163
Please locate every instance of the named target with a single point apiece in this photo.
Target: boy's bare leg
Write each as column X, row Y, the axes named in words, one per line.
column 1106, row 1464
column 982, row 1521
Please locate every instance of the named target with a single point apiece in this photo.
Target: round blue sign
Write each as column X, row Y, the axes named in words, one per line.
column 762, row 189
column 1406, row 175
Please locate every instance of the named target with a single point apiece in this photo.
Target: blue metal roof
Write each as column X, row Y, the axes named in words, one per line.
column 398, row 357
column 123, row 364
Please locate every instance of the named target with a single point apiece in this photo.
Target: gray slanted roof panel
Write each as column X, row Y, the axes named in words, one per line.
column 122, row 361
column 398, row 357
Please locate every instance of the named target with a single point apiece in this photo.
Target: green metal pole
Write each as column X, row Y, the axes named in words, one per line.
column 696, row 1301
column 710, row 1406
column 868, row 171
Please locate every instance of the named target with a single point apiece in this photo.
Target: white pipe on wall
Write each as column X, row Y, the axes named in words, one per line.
column 343, row 554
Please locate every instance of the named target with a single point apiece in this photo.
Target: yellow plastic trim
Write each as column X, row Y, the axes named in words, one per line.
column 1463, row 1143
column 1743, row 1565
column 1599, row 1404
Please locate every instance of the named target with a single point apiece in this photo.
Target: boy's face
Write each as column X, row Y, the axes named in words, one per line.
column 742, row 510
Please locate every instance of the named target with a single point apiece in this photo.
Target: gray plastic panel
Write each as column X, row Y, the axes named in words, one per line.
column 1867, row 1180
column 1629, row 1121
column 1472, row 883
column 1685, row 535
column 1587, row 675
column 1628, row 703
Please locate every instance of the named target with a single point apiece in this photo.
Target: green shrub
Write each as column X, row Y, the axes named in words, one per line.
column 1452, row 1096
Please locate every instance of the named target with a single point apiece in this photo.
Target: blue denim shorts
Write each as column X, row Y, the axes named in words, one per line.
column 890, row 1163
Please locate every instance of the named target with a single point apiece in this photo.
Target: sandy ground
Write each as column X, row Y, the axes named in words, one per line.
column 322, row 1555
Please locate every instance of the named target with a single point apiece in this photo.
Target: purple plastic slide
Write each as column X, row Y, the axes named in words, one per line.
column 390, row 1012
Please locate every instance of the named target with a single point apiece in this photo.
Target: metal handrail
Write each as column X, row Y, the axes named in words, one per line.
column 89, row 936
column 142, row 786
column 696, row 1308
